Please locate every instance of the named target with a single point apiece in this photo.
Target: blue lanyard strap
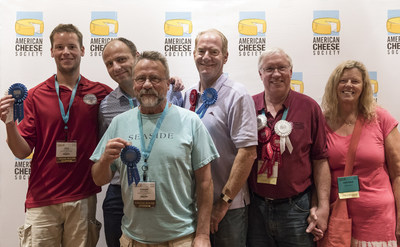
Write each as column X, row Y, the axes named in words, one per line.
column 131, row 103
column 285, row 113
column 146, row 151
column 65, row 116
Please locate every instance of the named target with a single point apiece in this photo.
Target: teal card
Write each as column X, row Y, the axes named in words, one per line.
column 348, row 184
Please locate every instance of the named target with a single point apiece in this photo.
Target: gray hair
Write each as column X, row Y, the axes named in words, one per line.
column 272, row 51
column 155, row 56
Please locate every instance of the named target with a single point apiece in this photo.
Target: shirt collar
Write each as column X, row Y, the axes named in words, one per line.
column 218, row 83
column 51, row 81
column 260, row 103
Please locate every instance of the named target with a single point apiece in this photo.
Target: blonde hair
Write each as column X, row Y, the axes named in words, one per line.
column 224, row 40
column 366, row 102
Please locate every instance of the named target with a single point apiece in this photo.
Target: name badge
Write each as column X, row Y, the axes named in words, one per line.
column 348, row 187
column 263, row 178
column 66, row 151
column 144, row 195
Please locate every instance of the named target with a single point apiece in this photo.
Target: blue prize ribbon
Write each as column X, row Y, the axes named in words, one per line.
column 209, row 97
column 130, row 156
column 19, row 92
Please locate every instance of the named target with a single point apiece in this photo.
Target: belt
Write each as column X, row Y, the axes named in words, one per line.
column 282, row 200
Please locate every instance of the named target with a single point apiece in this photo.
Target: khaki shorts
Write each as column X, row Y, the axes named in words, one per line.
column 185, row 241
column 69, row 224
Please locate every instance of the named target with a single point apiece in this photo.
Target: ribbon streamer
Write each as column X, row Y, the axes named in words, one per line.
column 193, row 99
column 19, row 92
column 130, row 156
column 209, row 97
column 283, row 129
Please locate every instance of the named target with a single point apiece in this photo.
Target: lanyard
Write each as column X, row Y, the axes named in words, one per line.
column 146, row 151
column 65, row 116
column 285, row 114
column 131, row 103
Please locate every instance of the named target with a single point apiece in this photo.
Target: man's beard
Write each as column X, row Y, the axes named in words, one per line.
column 150, row 101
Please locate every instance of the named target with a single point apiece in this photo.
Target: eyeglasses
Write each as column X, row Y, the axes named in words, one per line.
column 153, row 79
column 281, row 69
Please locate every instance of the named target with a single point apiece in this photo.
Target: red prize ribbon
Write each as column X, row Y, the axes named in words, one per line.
column 264, row 166
column 193, row 99
column 276, row 157
column 264, row 135
column 275, row 142
column 266, row 156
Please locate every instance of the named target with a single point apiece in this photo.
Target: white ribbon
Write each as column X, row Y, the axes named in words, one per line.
column 261, row 121
column 283, row 129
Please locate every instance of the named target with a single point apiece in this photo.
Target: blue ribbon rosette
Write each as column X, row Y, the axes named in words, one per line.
column 209, row 97
column 19, row 92
column 130, row 156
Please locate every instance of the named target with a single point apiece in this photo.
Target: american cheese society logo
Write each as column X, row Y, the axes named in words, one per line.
column 373, row 78
column 326, row 27
column 178, row 29
column 296, row 83
column 252, row 28
column 103, row 28
column 393, row 28
column 22, row 168
column 29, row 27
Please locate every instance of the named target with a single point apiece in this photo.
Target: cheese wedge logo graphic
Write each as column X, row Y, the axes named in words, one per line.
column 393, row 25
column 103, row 27
column 252, row 27
column 374, row 84
column 29, row 157
column 177, row 27
column 296, row 84
column 326, row 25
column 28, row 27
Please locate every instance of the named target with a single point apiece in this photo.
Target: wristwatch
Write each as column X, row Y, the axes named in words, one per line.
column 226, row 198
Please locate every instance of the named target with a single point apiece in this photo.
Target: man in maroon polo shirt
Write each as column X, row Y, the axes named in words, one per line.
column 60, row 125
column 291, row 160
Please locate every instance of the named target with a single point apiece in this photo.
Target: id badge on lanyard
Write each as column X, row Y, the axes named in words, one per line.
column 348, row 187
column 66, row 151
column 144, row 195
column 263, row 177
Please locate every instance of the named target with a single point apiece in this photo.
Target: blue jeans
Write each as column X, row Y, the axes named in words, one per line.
column 113, row 210
column 232, row 229
column 283, row 224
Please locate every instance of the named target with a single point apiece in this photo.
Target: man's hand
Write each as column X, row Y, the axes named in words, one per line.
column 201, row 240
column 219, row 210
column 113, row 150
column 317, row 222
column 177, row 84
column 101, row 171
column 5, row 105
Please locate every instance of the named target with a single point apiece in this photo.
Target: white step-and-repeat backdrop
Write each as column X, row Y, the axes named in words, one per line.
column 317, row 34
